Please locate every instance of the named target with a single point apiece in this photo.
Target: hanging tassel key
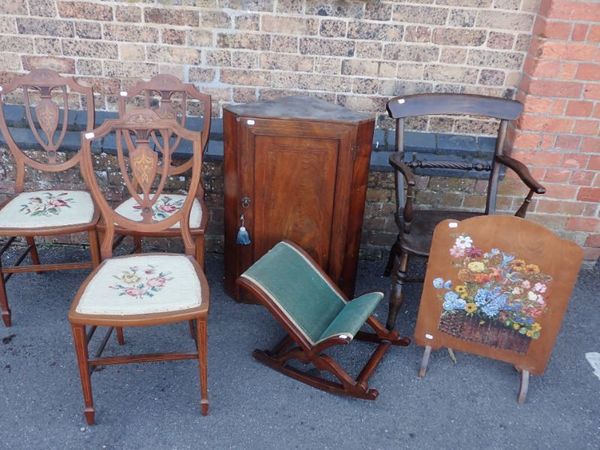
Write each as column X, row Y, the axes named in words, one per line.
column 243, row 238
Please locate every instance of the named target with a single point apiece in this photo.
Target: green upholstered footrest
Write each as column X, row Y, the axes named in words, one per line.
column 296, row 285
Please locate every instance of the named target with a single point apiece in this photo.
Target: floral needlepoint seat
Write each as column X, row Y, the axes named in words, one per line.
column 164, row 208
column 152, row 283
column 44, row 209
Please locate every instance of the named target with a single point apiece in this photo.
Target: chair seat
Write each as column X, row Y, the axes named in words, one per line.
column 142, row 284
column 418, row 241
column 43, row 209
column 165, row 206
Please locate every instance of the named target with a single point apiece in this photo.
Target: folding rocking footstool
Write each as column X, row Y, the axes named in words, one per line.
column 316, row 316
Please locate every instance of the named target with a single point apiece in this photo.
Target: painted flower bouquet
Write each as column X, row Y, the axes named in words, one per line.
column 495, row 291
column 141, row 282
column 47, row 204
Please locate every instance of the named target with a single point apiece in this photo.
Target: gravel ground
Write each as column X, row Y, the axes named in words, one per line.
column 468, row 405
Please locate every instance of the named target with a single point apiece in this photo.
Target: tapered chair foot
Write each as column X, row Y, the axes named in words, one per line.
column 6, row 318
column 204, row 407
column 90, row 416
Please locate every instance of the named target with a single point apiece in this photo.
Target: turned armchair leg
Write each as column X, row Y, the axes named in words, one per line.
column 200, row 251
column 394, row 250
column 81, row 349
column 398, row 280
column 94, row 248
column 6, row 317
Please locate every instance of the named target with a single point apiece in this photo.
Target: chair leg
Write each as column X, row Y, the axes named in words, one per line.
column 398, row 280
column 202, row 341
column 200, row 251
column 35, row 257
column 395, row 250
column 4, row 309
column 192, row 326
column 81, row 349
column 94, row 248
column 120, row 336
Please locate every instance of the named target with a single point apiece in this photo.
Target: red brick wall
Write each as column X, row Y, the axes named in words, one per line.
column 557, row 136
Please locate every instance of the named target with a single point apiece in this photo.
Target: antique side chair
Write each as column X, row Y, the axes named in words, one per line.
column 316, row 316
column 46, row 98
column 143, row 289
column 170, row 98
column 416, row 225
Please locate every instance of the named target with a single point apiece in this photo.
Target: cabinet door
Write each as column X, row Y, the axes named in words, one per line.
column 298, row 176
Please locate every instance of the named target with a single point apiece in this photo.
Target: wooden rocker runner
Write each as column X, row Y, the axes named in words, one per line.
column 316, row 316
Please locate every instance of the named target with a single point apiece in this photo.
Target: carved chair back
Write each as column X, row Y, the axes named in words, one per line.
column 46, row 97
column 145, row 171
column 170, row 98
column 401, row 108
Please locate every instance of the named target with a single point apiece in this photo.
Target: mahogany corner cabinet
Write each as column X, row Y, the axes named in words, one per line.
column 295, row 168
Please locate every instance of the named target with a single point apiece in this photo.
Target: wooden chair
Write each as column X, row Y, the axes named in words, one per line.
column 170, row 99
column 143, row 289
column 48, row 212
column 316, row 316
column 416, row 226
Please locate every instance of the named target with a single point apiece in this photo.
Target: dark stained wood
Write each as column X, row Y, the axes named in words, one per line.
column 296, row 347
column 146, row 176
column 302, row 163
column 49, row 127
column 538, row 252
column 416, row 225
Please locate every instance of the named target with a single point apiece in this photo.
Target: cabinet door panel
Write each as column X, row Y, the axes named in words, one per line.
column 294, row 193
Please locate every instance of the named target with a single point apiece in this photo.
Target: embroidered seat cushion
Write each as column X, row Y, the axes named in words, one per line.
column 142, row 284
column 164, row 207
column 40, row 209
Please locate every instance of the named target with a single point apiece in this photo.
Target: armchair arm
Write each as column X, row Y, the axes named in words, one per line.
column 523, row 172
column 397, row 163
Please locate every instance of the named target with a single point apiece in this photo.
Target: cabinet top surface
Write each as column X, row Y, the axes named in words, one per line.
column 299, row 107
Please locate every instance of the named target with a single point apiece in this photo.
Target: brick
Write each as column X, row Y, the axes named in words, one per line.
column 284, row 44
column 331, row 66
column 375, row 31
column 589, row 194
column 367, row 86
column 47, row 46
column 587, row 127
column 417, row 33
column 173, row 37
column 495, row 59
column 43, row 8
column 528, row 141
column 575, row 160
column 583, row 224
column 568, row 142
column 490, row 77
column 244, row 60
column 84, row 10
column 45, row 27
column 88, row 67
column 575, row 51
column 420, row 14
column 132, row 52
column 368, row 49
column 582, row 178
column 128, row 13
column 88, row 30
column 245, row 77
column 199, row 38
column 501, row 41
column 126, row 69
column 243, row 40
column 592, row 91
column 173, row 55
column 580, row 31
column 247, row 22
column 62, row 65
column 453, row 55
column 215, row 19
column 199, row 74
column 588, row 71
column 328, row 47
column 557, row 30
column 507, row 4
column 10, row 62
column 574, row 10
column 591, row 254
column 130, row 33
column 545, row 124
column 539, row 158
column 333, row 28
column 557, row 175
column 289, row 25
column 579, row 108
column 560, row 191
column 454, row 74
column 459, row 37
column 407, row 52
column 353, row 10
column 505, row 21
column 590, row 144
column 17, row 44
column 555, row 88
column 360, row 67
column 90, row 49
column 378, row 11
column 549, row 206
column 18, row 7
column 172, row 16
column 594, row 34
column 463, row 18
